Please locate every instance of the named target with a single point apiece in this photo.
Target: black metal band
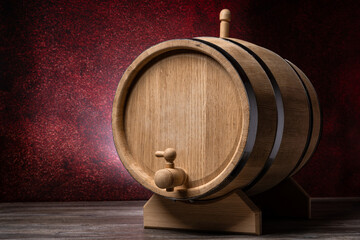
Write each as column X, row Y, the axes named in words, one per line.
column 252, row 124
column 280, row 116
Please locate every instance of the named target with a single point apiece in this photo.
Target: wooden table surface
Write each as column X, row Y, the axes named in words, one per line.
column 332, row 219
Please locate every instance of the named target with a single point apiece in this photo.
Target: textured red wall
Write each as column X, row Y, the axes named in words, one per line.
column 61, row 63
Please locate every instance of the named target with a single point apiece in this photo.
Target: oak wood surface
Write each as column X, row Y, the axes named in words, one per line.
column 266, row 111
column 191, row 100
column 235, row 213
column 296, row 118
column 179, row 102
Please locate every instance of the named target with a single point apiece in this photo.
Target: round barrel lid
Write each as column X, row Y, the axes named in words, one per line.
column 186, row 95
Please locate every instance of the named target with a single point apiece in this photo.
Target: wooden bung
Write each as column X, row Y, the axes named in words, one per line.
column 225, row 19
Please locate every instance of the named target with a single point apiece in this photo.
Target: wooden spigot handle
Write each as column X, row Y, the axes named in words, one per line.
column 225, row 18
column 169, row 154
column 169, row 177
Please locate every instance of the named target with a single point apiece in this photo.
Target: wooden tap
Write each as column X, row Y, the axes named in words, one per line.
column 169, row 177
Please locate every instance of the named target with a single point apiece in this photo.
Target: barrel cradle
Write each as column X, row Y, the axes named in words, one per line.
column 234, row 115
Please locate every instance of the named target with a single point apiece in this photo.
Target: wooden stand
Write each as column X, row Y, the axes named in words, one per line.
column 235, row 213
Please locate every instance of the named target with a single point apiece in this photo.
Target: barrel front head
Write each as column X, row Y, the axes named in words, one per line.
column 185, row 95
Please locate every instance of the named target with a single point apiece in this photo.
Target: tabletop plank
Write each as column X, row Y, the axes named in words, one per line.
column 332, row 219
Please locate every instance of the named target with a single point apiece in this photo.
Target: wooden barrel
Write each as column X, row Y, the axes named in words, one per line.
column 237, row 115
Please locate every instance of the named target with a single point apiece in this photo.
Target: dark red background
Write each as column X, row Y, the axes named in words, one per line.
column 61, row 63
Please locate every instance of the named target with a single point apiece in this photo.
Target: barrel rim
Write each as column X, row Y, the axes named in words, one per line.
column 118, row 116
column 315, row 121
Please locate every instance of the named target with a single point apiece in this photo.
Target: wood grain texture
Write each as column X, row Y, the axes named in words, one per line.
column 179, row 102
column 184, row 95
column 332, row 219
column 235, row 213
column 296, row 118
column 266, row 114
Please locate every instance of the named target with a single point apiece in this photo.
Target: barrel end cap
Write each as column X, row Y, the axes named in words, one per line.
column 225, row 15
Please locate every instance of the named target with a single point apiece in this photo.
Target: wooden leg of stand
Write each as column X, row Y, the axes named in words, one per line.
column 288, row 199
column 235, row 213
